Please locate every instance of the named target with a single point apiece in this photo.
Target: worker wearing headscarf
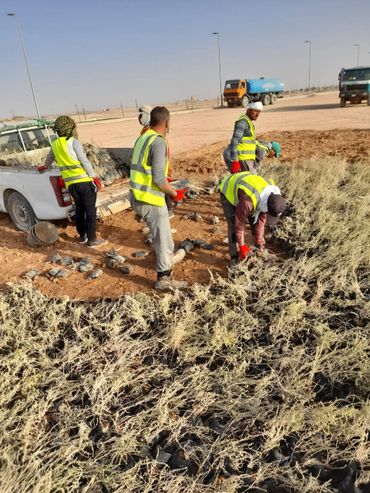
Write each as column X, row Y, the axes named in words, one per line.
column 245, row 196
column 79, row 178
column 241, row 153
column 144, row 117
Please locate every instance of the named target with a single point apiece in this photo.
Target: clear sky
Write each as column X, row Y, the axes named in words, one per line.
column 101, row 53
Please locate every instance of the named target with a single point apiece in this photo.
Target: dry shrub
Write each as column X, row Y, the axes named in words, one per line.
column 255, row 383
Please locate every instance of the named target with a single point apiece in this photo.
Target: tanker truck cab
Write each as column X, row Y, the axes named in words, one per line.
column 354, row 85
column 235, row 93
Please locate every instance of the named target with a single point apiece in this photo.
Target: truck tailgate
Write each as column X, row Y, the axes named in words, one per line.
column 113, row 199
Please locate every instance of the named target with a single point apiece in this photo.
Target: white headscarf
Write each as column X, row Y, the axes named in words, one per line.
column 144, row 115
column 255, row 106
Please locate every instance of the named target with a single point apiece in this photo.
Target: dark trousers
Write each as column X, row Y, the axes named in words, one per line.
column 229, row 211
column 84, row 196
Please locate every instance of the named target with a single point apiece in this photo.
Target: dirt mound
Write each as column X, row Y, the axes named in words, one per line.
column 352, row 145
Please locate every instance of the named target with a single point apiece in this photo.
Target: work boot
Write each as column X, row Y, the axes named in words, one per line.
column 166, row 283
column 96, row 243
column 82, row 240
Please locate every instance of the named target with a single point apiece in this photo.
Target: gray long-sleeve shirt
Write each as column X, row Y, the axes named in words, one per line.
column 241, row 129
column 157, row 159
column 77, row 153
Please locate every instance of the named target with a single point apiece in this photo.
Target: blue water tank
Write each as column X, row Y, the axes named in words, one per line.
column 256, row 86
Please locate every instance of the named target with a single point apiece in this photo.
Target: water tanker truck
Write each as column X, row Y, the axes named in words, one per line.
column 239, row 92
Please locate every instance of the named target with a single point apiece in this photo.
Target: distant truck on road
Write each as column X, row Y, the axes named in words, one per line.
column 239, row 92
column 354, row 85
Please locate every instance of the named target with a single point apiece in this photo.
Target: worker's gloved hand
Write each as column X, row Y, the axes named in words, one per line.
column 235, row 167
column 41, row 169
column 179, row 195
column 96, row 184
column 243, row 252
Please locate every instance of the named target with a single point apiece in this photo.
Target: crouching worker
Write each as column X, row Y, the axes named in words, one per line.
column 148, row 189
column 79, row 178
column 263, row 150
column 245, row 196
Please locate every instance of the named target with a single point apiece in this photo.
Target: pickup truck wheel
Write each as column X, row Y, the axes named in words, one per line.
column 20, row 211
column 342, row 102
column 245, row 101
column 266, row 99
column 273, row 99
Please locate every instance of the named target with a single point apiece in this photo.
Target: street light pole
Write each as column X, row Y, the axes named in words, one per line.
column 309, row 66
column 358, row 53
column 12, row 14
column 219, row 67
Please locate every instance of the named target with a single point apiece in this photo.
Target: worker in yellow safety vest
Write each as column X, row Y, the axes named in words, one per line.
column 79, row 178
column 245, row 196
column 241, row 154
column 149, row 186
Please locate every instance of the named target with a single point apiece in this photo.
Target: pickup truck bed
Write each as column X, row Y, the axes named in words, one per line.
column 28, row 196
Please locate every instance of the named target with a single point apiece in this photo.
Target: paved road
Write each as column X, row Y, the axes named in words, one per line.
column 196, row 129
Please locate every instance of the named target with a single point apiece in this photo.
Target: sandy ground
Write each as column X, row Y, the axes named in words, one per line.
column 197, row 140
column 193, row 130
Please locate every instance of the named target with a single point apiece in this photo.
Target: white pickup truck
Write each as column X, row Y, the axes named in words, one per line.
column 29, row 196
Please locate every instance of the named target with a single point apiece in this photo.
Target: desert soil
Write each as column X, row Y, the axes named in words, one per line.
column 199, row 163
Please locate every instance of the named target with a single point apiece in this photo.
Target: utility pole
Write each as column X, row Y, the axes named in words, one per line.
column 358, row 53
column 123, row 113
column 309, row 67
column 12, row 14
column 78, row 113
column 219, row 67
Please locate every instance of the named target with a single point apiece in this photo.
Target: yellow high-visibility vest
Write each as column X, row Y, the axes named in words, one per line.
column 141, row 178
column 70, row 167
column 247, row 147
column 252, row 185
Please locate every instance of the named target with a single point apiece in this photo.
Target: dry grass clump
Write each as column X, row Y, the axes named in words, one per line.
column 256, row 383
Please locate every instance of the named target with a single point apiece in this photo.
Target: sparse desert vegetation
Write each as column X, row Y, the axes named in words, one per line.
column 259, row 382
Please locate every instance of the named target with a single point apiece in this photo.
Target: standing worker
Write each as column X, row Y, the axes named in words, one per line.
column 240, row 155
column 144, row 120
column 247, row 196
column 149, row 187
column 79, row 178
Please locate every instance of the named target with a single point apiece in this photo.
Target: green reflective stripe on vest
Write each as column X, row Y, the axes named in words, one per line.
column 70, row 168
column 252, row 185
column 142, row 185
column 247, row 147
